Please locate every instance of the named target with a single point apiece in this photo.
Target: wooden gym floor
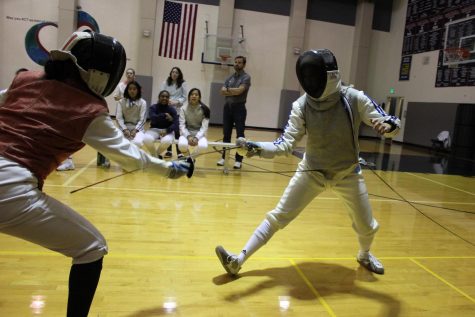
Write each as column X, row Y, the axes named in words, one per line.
column 162, row 234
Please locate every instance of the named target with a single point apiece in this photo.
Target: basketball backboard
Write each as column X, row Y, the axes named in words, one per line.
column 459, row 45
column 222, row 50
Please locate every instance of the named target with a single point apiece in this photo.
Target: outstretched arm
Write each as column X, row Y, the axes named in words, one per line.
column 293, row 132
column 104, row 136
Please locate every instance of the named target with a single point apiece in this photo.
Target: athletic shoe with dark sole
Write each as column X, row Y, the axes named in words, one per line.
column 228, row 261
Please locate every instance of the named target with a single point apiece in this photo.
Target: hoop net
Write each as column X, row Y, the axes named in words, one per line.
column 224, row 61
column 454, row 55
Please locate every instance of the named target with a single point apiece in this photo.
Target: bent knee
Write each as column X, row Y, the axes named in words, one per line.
column 90, row 252
column 367, row 229
column 275, row 220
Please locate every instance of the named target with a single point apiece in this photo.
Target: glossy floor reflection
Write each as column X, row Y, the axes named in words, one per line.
column 433, row 163
column 394, row 156
column 162, row 234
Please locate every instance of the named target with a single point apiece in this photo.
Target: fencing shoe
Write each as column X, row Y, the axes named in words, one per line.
column 228, row 261
column 370, row 262
column 220, row 162
column 67, row 165
column 237, row 165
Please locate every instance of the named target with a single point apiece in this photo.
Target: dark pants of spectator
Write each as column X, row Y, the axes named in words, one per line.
column 234, row 115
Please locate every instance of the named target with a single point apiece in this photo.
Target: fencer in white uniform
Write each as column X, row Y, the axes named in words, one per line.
column 330, row 115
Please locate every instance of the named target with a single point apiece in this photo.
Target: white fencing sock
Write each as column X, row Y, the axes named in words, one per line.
column 365, row 244
column 261, row 235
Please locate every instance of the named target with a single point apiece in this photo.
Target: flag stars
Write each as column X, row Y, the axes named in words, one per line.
column 172, row 12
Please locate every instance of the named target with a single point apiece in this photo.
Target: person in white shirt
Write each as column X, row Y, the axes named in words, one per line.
column 176, row 86
column 118, row 95
column 131, row 113
column 120, row 89
column 194, row 121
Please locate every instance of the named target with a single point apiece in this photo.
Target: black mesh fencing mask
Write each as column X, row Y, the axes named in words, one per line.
column 100, row 59
column 312, row 67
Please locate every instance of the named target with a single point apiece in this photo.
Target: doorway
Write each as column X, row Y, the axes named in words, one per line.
column 394, row 105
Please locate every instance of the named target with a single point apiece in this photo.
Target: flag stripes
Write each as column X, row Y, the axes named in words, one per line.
column 178, row 30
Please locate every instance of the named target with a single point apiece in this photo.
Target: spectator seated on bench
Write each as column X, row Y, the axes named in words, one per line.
column 193, row 121
column 163, row 125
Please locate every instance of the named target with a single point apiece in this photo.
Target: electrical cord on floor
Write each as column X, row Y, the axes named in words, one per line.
column 427, row 205
column 418, row 210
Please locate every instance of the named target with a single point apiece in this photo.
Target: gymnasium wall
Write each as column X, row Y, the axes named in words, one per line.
column 16, row 18
column 385, row 59
column 266, row 39
column 440, row 115
column 118, row 18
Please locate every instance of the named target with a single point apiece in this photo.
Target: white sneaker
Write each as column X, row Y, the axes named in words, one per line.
column 228, row 261
column 67, row 165
column 220, row 162
column 237, row 165
column 371, row 263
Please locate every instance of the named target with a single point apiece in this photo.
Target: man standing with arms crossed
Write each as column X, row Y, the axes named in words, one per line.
column 235, row 90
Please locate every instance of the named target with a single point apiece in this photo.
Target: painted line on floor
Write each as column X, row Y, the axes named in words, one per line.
column 204, row 257
column 117, row 189
column 442, row 184
column 76, row 175
column 444, row 281
column 319, row 297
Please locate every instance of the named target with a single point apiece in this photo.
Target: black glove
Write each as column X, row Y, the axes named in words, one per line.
column 253, row 148
column 181, row 168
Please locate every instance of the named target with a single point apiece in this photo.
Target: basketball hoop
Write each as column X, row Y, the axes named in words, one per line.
column 454, row 55
column 224, row 59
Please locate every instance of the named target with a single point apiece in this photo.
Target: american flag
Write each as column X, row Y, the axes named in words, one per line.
column 178, row 30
